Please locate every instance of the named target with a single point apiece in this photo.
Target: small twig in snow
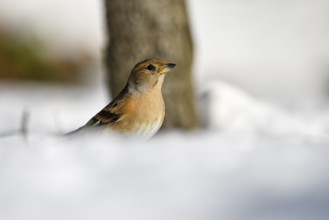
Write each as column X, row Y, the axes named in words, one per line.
column 24, row 123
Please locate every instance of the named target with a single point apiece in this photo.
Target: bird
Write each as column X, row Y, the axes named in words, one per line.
column 139, row 109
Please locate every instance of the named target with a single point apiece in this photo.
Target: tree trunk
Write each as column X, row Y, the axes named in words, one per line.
column 140, row 29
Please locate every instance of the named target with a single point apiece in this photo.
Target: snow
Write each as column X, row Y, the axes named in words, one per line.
column 231, row 109
column 231, row 169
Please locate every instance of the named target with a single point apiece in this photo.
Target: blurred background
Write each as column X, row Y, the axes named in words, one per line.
column 261, row 74
column 276, row 50
column 50, row 41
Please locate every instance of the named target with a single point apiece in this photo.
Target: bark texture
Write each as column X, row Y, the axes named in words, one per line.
column 140, row 29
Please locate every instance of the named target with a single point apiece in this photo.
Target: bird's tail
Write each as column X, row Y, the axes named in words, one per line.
column 74, row 132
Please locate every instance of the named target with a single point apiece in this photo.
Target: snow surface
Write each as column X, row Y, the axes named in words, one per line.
column 247, row 163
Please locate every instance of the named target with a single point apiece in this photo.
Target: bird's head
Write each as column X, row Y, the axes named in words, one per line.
column 148, row 74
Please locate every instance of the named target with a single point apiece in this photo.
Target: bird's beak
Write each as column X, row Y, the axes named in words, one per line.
column 166, row 68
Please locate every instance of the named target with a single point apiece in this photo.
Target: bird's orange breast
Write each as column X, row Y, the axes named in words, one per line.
column 141, row 114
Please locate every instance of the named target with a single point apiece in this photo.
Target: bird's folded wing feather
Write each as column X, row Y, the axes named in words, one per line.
column 104, row 117
column 108, row 115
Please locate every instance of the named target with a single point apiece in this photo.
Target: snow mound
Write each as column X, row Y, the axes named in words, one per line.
column 230, row 109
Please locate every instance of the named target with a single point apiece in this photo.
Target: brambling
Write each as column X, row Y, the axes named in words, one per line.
column 138, row 110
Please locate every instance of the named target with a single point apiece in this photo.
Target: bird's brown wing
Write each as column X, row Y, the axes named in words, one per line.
column 111, row 113
column 108, row 115
column 104, row 117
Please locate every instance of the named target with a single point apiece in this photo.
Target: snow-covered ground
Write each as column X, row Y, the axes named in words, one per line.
column 253, row 161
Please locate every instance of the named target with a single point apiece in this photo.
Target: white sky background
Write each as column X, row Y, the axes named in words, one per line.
column 273, row 49
column 278, row 49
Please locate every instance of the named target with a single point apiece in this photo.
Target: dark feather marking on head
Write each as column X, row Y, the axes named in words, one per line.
column 146, row 60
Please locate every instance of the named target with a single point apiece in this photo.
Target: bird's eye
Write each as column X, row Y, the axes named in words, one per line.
column 150, row 67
